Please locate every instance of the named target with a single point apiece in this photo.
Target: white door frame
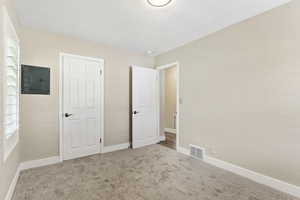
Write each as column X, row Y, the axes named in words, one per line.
column 163, row 67
column 61, row 98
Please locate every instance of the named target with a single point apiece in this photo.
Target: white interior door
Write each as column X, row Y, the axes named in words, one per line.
column 82, row 106
column 144, row 106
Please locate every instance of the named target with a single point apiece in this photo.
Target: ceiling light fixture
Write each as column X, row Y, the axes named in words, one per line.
column 149, row 52
column 159, row 3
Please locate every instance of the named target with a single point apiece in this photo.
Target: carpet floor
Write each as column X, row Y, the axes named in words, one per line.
column 151, row 173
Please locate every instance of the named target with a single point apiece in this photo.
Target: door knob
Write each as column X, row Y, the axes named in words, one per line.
column 68, row 115
column 135, row 112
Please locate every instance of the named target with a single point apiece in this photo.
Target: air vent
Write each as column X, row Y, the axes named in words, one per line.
column 197, row 152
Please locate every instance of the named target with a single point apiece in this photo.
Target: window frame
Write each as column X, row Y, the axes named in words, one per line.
column 9, row 33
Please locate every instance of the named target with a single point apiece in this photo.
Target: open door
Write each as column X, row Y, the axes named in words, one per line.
column 145, row 119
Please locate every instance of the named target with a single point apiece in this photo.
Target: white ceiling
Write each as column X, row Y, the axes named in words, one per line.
column 135, row 25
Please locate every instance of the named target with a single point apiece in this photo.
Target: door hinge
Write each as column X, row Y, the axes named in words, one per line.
column 100, row 140
column 100, row 72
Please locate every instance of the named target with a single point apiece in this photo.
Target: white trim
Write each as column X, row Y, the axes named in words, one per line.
column 170, row 130
column 102, row 116
column 39, row 163
column 60, row 113
column 183, row 151
column 162, row 67
column 167, row 66
column 12, row 185
column 28, row 165
column 257, row 177
column 157, row 106
column 101, row 61
column 82, row 57
column 139, row 144
column 254, row 176
column 117, row 147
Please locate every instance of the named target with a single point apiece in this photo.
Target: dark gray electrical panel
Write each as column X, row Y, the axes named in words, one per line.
column 35, row 80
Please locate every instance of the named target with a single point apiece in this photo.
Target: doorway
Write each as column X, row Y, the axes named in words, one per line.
column 81, row 106
column 169, row 104
column 148, row 106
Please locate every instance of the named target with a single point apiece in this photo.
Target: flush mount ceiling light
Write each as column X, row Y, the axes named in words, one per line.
column 159, row 3
column 149, row 52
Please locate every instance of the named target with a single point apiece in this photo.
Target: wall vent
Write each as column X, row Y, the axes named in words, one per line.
column 197, row 152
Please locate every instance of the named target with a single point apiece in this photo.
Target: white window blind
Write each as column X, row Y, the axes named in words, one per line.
column 10, row 74
column 11, row 106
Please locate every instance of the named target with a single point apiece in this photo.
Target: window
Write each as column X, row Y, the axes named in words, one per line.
column 11, row 86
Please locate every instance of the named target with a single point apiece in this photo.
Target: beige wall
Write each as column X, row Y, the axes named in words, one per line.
column 240, row 89
column 170, row 97
column 9, row 167
column 40, row 125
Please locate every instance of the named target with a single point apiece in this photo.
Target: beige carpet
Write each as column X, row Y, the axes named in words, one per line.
column 152, row 173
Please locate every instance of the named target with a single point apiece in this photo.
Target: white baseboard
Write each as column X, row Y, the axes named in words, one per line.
column 257, row 177
column 183, row 151
column 254, row 176
column 39, row 163
column 12, row 185
column 170, row 130
column 116, row 147
column 48, row 161
column 28, row 165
